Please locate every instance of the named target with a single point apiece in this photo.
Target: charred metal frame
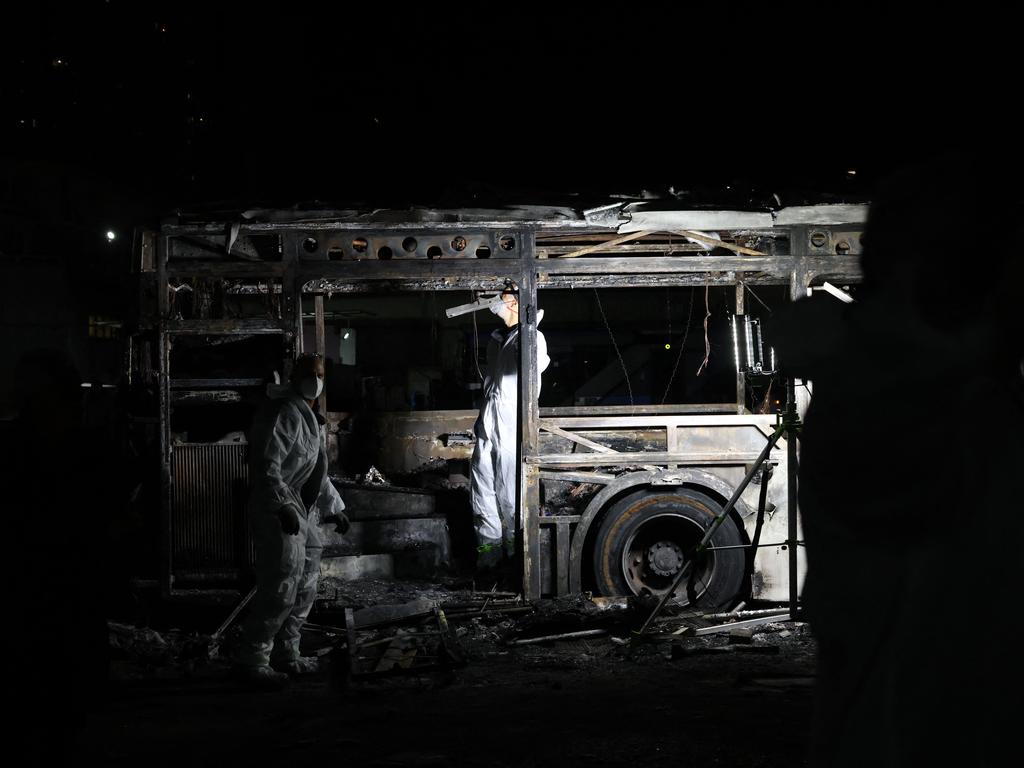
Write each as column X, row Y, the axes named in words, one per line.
column 347, row 256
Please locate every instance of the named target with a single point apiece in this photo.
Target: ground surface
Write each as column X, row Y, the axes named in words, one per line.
column 572, row 703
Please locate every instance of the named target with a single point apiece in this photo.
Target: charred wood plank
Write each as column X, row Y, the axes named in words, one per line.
column 701, row 237
column 608, row 244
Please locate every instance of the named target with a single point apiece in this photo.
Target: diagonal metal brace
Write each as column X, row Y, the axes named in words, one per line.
column 780, row 429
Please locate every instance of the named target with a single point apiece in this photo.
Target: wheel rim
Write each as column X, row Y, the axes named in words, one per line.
column 655, row 553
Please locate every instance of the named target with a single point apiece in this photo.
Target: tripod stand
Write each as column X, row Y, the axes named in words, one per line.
column 788, row 424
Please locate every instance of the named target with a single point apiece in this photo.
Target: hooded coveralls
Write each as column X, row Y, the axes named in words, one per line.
column 288, row 467
column 493, row 468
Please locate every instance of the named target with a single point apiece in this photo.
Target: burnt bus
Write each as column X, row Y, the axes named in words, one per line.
column 626, row 454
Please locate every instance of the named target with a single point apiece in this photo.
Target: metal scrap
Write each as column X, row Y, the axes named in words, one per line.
column 458, row 438
column 383, row 615
column 234, row 614
column 430, row 647
column 563, row 636
column 734, row 625
column 373, row 477
column 150, row 648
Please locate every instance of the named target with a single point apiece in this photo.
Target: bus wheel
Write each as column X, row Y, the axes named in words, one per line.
column 646, row 537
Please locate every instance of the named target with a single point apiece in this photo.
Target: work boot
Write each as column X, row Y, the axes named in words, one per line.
column 296, row 667
column 488, row 556
column 261, row 678
column 509, row 576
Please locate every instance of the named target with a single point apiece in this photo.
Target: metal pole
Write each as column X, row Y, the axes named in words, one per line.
column 321, row 346
column 528, row 475
column 231, row 616
column 741, row 381
column 800, row 279
column 791, row 471
column 166, row 537
column 748, row 546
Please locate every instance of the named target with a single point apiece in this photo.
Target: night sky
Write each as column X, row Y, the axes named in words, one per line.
column 184, row 104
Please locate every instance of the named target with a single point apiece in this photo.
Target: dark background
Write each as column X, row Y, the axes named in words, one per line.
column 117, row 113
column 182, row 104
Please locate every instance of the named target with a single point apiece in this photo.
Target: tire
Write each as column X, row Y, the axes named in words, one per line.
column 645, row 536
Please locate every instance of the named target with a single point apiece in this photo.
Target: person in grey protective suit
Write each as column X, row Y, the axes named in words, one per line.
column 291, row 496
column 493, row 468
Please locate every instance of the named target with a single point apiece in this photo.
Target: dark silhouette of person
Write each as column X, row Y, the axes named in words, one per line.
column 910, row 457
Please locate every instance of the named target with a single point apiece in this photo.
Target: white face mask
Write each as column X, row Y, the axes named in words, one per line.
column 311, row 387
column 503, row 311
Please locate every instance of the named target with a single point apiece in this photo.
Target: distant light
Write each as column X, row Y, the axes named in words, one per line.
column 111, row 235
column 668, row 346
column 851, row 173
column 347, row 334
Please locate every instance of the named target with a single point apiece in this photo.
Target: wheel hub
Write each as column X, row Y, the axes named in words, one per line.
column 665, row 558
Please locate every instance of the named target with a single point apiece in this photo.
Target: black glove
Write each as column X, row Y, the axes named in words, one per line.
column 289, row 519
column 340, row 521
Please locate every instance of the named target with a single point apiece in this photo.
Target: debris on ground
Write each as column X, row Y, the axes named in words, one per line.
column 741, row 636
column 144, row 649
column 564, row 636
column 488, row 628
column 578, row 613
column 160, row 698
column 430, row 647
column 372, row 477
column 378, row 615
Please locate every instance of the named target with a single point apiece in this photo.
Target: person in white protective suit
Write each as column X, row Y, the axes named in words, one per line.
column 493, row 468
column 290, row 497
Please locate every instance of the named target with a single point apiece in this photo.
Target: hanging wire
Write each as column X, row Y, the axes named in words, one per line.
column 766, row 403
column 433, row 325
column 611, row 335
column 476, row 348
column 668, row 290
column 758, row 298
column 668, row 309
column 707, row 342
column 682, row 346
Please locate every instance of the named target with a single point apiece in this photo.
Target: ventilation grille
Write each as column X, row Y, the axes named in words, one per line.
column 209, row 532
